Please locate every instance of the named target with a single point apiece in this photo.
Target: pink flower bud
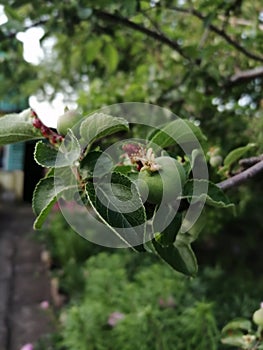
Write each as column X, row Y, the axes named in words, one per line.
column 37, row 123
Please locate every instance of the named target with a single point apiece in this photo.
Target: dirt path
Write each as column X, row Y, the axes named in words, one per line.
column 24, row 280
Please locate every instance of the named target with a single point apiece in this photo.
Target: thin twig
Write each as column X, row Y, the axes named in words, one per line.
column 246, row 75
column 12, row 34
column 220, row 32
column 248, row 162
column 117, row 19
column 242, row 177
column 161, row 37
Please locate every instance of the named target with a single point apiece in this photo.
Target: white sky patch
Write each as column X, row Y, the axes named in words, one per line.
column 49, row 112
column 3, row 18
column 33, row 53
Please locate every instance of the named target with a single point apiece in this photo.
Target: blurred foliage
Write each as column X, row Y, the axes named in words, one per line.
column 156, row 310
column 201, row 59
column 179, row 54
column 159, row 306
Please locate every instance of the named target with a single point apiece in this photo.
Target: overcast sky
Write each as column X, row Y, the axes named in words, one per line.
column 33, row 53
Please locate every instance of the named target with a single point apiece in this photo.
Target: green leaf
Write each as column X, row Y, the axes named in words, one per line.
column 237, row 153
column 124, row 169
column 168, row 235
column 238, row 324
column 178, row 131
column 193, row 232
column 214, row 197
column 45, row 155
column 12, row 13
column 129, row 7
column 97, row 161
column 99, row 125
column 17, row 127
column 49, row 157
column 179, row 256
column 93, row 47
column 235, row 340
column 44, row 197
column 192, row 161
column 111, row 56
column 116, row 201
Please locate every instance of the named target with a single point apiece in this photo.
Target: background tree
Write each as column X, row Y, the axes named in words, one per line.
column 201, row 59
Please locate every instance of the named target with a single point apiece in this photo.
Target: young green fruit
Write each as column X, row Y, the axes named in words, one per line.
column 164, row 185
column 258, row 317
column 67, row 121
column 215, row 161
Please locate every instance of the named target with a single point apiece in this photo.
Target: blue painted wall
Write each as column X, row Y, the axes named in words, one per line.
column 14, row 155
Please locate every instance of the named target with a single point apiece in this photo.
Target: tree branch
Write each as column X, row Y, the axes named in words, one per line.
column 248, row 162
column 12, row 34
column 240, row 178
column 243, row 76
column 220, row 32
column 161, row 37
column 117, row 19
column 234, row 21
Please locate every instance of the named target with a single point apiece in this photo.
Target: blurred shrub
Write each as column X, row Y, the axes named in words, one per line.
column 120, row 299
column 64, row 243
column 153, row 311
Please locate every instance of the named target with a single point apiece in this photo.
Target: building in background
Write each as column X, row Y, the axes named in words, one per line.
column 19, row 173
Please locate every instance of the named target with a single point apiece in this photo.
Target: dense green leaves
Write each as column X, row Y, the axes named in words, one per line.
column 202, row 62
column 17, row 127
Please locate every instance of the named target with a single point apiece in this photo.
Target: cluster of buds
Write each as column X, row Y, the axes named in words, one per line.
column 47, row 133
column 143, row 158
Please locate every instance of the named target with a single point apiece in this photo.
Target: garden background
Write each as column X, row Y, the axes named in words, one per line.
column 203, row 61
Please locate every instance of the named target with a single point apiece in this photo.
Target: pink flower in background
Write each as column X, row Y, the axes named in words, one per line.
column 27, row 347
column 44, row 304
column 161, row 302
column 115, row 318
column 261, row 304
column 166, row 303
